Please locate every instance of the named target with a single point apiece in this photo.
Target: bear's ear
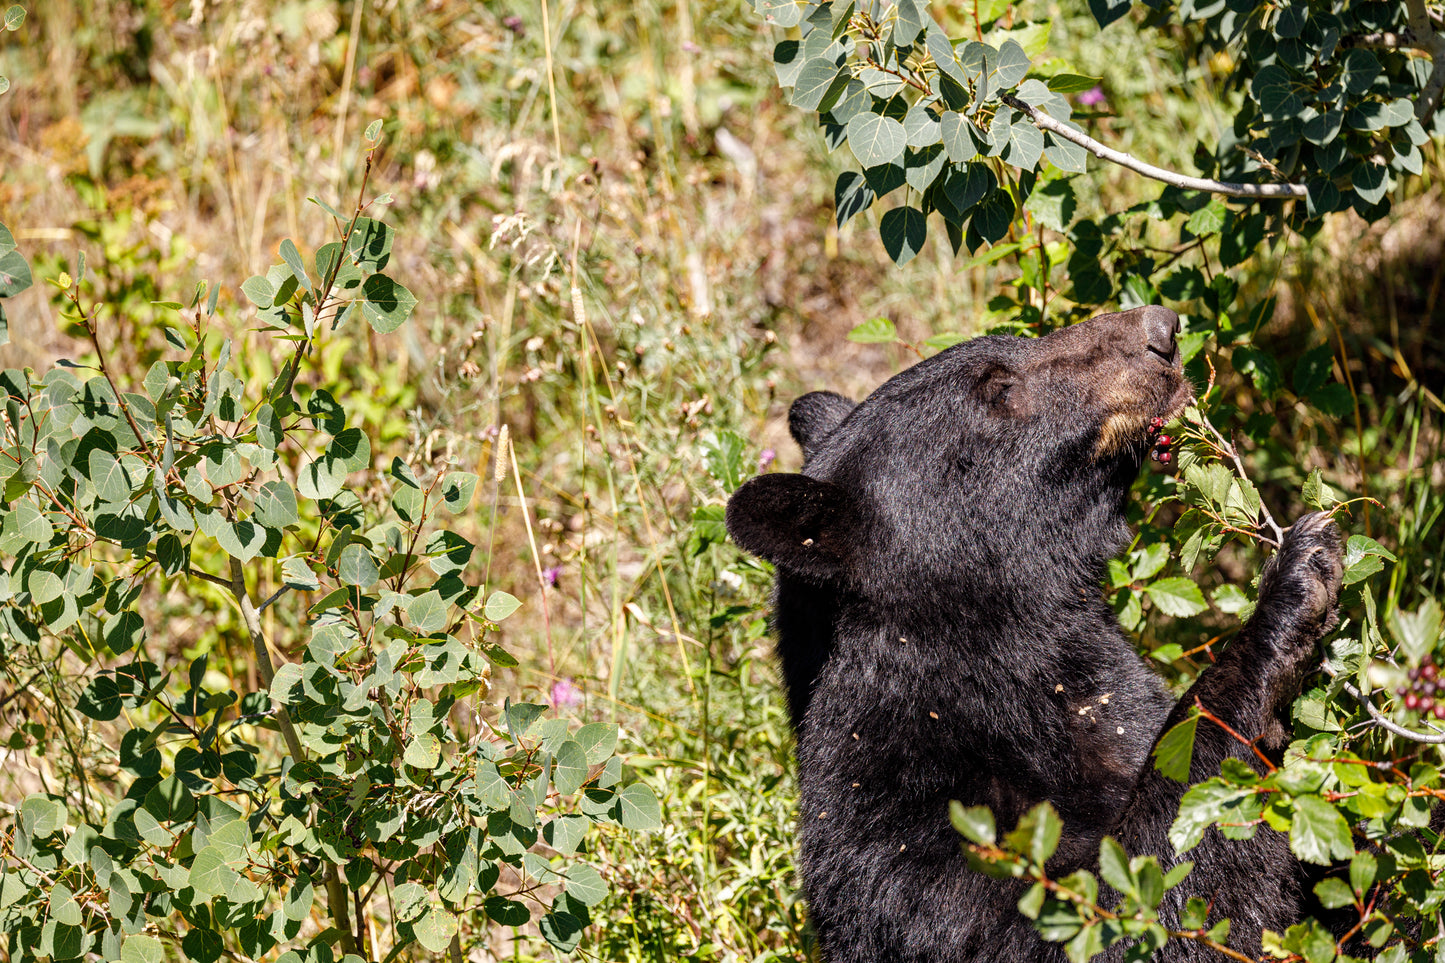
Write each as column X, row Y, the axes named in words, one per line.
column 814, row 416
column 804, row 526
column 1000, row 388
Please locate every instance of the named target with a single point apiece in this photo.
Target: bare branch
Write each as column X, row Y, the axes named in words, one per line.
column 1045, row 122
column 1379, row 718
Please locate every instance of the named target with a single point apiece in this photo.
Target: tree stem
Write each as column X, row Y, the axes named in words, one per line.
column 1044, row 122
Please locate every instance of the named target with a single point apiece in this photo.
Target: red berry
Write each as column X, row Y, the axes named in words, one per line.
column 1412, row 702
column 1439, row 711
column 1428, row 671
column 1165, row 439
column 1400, row 690
column 1426, row 704
column 1164, row 457
column 1427, row 688
column 1414, row 673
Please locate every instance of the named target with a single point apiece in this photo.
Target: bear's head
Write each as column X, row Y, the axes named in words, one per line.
column 995, row 466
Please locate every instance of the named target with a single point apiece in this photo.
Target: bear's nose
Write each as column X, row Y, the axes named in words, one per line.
column 1160, row 326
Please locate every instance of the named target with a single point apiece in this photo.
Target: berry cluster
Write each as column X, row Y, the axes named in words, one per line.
column 1420, row 693
column 1161, row 443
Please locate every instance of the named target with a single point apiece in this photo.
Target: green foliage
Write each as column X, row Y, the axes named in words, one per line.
column 951, row 121
column 217, row 815
column 955, row 120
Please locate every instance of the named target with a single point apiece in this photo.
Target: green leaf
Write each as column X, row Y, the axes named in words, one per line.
column 921, row 127
column 410, row 901
column 427, row 613
column 585, row 884
column 299, row 899
column 1260, row 367
column 1358, row 69
column 1025, row 144
column 1175, row 749
column 851, row 196
column 14, row 274
column 355, row 566
column 598, row 741
column 1037, row 833
column 275, row 505
column 140, row 948
column 260, row 291
column 285, row 683
column 1114, row 867
column 876, row 140
column 457, row 490
column 423, row 750
column 819, row 84
column 638, row 808
column 957, row 140
column 1274, row 91
column 1417, row 632
column 1209, row 219
column 1334, row 893
column 1072, row 83
column 14, row 17
column 296, row 573
column 1363, row 558
column 1318, row 833
column 373, row 131
column 974, row 822
column 903, row 229
column 1177, row 596
column 1013, row 64
column 292, row 257
column 569, row 767
column 387, row 305
column 435, row 930
column 499, row 606
column 878, row 330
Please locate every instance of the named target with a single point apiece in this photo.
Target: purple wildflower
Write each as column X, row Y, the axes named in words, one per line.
column 766, row 459
column 552, row 575
column 565, row 695
column 1092, row 97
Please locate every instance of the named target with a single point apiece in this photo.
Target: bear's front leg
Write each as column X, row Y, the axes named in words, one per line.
column 1250, row 688
column 1258, row 676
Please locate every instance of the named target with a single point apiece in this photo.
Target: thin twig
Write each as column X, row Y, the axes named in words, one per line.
column 1379, row 718
column 1228, row 188
column 1249, row 743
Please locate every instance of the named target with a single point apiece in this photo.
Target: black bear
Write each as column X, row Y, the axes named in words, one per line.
column 943, row 635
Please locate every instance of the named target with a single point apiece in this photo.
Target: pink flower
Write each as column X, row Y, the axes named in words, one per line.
column 552, row 575
column 1092, row 97
column 565, row 695
column 766, row 459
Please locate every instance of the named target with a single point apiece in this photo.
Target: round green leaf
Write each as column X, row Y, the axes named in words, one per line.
column 387, row 305
column 355, row 566
column 638, row 808
column 275, row 505
column 436, row 929
column 427, row 613
column 424, row 751
column 876, row 140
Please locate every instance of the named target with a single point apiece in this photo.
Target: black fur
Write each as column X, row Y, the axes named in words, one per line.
column 943, row 636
